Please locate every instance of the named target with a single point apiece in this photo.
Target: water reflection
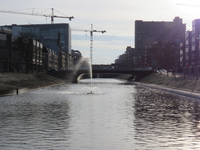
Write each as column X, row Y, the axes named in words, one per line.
column 33, row 123
column 165, row 121
column 122, row 116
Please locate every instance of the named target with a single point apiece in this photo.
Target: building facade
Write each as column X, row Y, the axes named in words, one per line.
column 167, row 35
column 195, row 43
column 19, row 54
column 5, row 50
column 30, row 55
column 127, row 60
column 50, row 59
column 54, row 36
column 189, row 58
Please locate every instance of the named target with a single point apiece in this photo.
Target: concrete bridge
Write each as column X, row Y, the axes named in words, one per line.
column 74, row 76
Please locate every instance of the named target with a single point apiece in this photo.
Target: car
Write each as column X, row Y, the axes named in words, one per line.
column 109, row 68
column 170, row 70
column 162, row 70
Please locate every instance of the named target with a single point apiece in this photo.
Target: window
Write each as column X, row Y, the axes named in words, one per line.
column 2, row 43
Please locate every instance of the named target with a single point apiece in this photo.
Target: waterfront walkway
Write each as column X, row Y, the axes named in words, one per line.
column 190, row 76
column 173, row 83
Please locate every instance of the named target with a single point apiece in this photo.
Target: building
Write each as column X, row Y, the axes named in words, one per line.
column 54, row 36
column 126, row 60
column 167, row 35
column 195, row 43
column 19, row 54
column 189, row 58
column 50, row 59
column 61, row 60
column 190, row 48
column 5, row 50
column 29, row 55
column 130, row 53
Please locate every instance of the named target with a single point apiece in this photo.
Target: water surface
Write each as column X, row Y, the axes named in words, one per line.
column 116, row 116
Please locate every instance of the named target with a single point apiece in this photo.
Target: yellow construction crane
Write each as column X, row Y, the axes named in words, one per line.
column 91, row 38
column 36, row 14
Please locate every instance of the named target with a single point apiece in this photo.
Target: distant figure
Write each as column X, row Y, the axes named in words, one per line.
column 172, row 71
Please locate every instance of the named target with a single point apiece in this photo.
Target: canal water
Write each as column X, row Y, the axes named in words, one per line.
column 117, row 116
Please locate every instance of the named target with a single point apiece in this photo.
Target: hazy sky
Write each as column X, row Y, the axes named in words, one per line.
column 116, row 17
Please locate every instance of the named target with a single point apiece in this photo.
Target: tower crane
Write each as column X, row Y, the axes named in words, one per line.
column 36, row 14
column 91, row 37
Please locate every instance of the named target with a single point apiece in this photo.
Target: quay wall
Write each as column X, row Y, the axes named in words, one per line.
column 185, row 87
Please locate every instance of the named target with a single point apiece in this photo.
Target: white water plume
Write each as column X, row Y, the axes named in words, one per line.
column 90, row 73
column 93, row 90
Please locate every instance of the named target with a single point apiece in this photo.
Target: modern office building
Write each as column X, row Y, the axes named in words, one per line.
column 53, row 36
column 165, row 36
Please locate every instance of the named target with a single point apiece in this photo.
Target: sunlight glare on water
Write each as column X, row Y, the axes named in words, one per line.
column 117, row 116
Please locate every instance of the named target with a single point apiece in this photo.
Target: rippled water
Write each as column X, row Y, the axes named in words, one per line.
column 117, row 116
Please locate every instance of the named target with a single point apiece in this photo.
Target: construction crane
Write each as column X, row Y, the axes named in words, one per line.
column 91, row 38
column 36, row 14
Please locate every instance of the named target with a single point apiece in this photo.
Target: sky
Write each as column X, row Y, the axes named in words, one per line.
column 116, row 17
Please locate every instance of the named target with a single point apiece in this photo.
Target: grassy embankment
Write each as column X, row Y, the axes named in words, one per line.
column 11, row 81
column 172, row 82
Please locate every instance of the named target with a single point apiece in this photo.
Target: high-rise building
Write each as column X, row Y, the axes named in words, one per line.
column 162, row 39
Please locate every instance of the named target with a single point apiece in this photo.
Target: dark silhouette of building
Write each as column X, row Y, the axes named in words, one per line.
column 19, row 54
column 5, row 50
column 127, row 60
column 161, row 39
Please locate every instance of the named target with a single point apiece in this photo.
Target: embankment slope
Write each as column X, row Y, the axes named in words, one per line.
column 11, row 81
column 172, row 82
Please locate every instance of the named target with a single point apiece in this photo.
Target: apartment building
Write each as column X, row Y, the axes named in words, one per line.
column 195, row 43
column 53, row 36
column 19, row 54
column 166, row 35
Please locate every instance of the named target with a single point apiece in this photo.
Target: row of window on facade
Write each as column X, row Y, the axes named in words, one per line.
column 20, row 54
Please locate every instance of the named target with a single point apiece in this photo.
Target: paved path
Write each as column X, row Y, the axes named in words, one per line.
column 170, row 90
column 191, row 76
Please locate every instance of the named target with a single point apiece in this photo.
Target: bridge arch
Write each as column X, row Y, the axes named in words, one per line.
column 75, row 76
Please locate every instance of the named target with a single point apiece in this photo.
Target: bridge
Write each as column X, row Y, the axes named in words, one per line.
column 74, row 76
